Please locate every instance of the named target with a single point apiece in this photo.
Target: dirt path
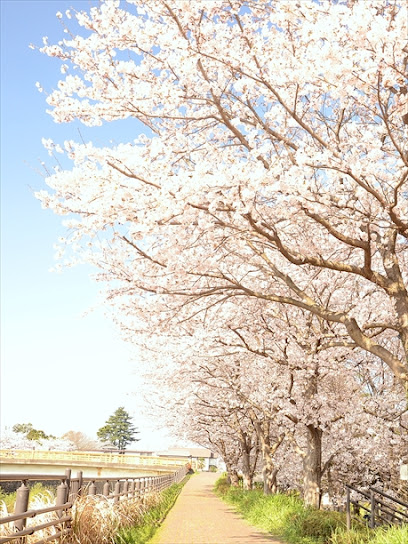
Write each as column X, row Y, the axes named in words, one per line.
column 200, row 517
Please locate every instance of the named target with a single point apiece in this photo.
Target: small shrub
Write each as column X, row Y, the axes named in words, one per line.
column 314, row 525
column 221, row 486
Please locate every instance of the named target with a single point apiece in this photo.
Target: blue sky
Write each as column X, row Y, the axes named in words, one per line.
column 59, row 370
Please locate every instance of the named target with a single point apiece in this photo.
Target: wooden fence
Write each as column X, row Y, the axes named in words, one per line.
column 374, row 508
column 68, row 490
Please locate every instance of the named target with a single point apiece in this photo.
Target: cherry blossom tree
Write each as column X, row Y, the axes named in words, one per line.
column 81, row 441
column 11, row 440
column 273, row 158
column 269, row 367
column 199, row 405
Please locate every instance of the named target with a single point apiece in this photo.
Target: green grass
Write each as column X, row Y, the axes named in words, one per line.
column 36, row 490
column 286, row 516
column 392, row 535
column 152, row 519
column 8, row 499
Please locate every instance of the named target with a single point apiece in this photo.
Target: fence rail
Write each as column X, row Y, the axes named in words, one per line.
column 68, row 490
column 378, row 508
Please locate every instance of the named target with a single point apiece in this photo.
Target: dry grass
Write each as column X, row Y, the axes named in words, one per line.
column 39, row 501
column 97, row 519
column 94, row 519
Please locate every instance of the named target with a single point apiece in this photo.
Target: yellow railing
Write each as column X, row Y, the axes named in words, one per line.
column 90, row 457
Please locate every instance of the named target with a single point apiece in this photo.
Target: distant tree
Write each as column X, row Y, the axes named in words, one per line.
column 23, row 428
column 118, row 430
column 80, row 440
column 30, row 433
column 37, row 434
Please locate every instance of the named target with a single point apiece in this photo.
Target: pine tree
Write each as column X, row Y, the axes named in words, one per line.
column 118, row 430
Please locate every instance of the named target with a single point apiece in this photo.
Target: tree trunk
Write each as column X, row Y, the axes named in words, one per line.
column 232, row 475
column 233, row 478
column 312, row 467
column 270, row 480
column 246, row 471
column 269, row 472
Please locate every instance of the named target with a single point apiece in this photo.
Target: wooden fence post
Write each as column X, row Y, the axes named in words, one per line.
column 76, row 485
column 125, row 488
column 132, row 487
column 105, row 490
column 92, row 488
column 348, row 512
column 117, row 491
column 23, row 493
column 80, row 476
column 62, row 491
column 68, row 483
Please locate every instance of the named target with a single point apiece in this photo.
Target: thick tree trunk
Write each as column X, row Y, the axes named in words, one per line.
column 312, row 467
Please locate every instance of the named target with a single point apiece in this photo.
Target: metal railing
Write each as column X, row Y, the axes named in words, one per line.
column 91, row 457
column 374, row 508
column 68, row 490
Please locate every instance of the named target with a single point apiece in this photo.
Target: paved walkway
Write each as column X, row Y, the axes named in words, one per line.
column 200, row 517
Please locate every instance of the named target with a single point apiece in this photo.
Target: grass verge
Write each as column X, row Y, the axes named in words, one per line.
column 286, row 516
column 150, row 521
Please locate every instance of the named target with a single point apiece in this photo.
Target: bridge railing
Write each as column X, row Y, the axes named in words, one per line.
column 93, row 457
column 14, row 527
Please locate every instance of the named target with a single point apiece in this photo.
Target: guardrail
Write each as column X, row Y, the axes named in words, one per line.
column 68, row 490
column 378, row 508
column 91, row 457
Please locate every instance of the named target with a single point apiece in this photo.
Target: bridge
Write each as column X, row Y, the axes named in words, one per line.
column 93, row 465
